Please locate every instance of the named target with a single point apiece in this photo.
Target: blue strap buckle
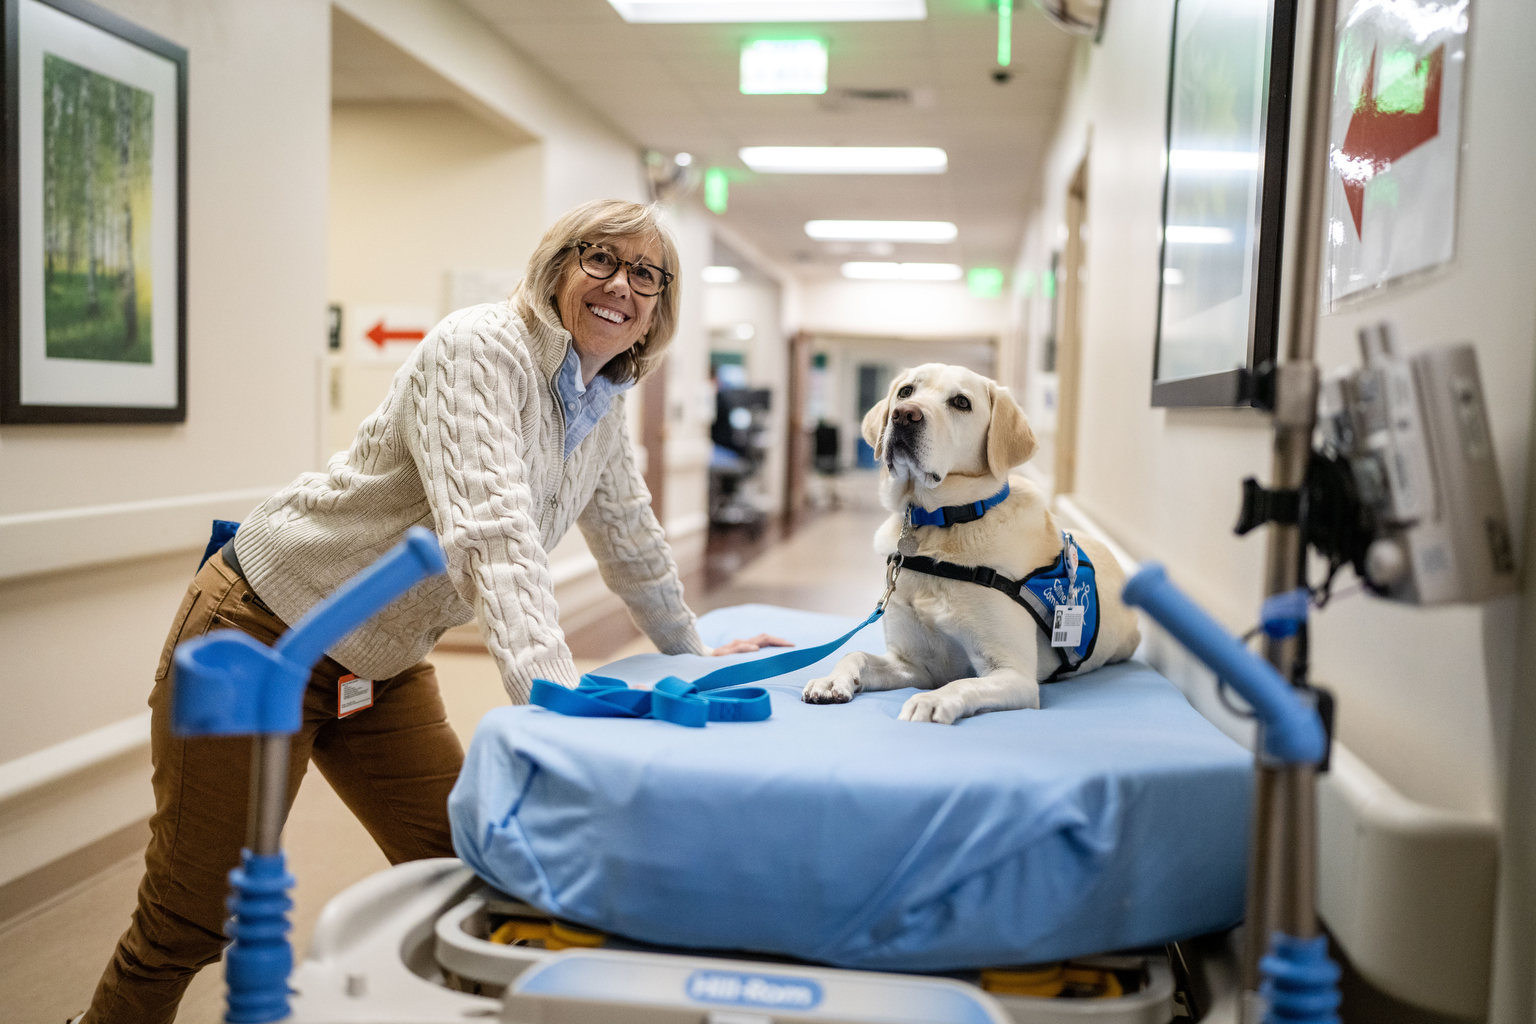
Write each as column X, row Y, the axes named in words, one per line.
column 670, row 700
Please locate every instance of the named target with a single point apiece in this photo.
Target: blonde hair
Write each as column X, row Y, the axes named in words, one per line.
column 603, row 220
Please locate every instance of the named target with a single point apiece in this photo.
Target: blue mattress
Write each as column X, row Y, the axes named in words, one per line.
column 1115, row 816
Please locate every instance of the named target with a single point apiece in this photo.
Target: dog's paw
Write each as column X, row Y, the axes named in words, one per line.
column 933, row 706
column 837, row 688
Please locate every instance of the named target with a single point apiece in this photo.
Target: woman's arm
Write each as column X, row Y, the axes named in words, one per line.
column 632, row 552
column 470, row 383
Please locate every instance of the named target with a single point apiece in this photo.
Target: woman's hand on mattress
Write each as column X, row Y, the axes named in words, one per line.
column 745, row 646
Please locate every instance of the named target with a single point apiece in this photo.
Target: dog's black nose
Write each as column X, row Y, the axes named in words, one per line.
column 905, row 415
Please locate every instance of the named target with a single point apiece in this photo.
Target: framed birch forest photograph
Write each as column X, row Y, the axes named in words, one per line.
column 94, row 216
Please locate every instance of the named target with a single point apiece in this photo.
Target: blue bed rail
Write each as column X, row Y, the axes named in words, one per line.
column 1300, row 983
column 228, row 683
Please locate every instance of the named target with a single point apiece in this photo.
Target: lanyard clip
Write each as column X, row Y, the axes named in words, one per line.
column 1069, row 559
column 892, row 570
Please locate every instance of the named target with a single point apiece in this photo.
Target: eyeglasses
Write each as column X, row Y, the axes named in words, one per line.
column 598, row 262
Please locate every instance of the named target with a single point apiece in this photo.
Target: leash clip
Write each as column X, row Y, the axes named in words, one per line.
column 892, row 570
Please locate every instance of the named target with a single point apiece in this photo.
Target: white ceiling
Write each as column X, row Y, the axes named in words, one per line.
column 675, row 88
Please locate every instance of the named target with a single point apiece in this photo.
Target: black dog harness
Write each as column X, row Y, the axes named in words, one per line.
column 1050, row 594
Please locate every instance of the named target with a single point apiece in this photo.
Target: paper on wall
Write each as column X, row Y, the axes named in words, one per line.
column 1394, row 144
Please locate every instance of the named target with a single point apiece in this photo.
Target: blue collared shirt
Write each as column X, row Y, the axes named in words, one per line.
column 584, row 405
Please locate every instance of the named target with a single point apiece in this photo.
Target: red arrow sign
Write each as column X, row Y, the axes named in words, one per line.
column 379, row 335
column 1380, row 134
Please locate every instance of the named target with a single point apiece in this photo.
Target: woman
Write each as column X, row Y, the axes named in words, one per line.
column 506, row 426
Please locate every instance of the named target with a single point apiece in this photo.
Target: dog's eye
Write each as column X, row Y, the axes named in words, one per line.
column 961, row 402
column 905, row 392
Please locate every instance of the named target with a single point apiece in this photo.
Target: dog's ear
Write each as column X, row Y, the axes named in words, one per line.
column 1010, row 440
column 874, row 426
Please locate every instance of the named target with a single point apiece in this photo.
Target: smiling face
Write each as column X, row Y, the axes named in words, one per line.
column 606, row 318
column 947, row 423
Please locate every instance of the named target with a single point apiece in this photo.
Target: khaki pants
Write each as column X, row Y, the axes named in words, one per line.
column 393, row 764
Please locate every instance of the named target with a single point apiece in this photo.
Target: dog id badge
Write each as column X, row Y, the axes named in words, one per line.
column 353, row 695
column 1067, row 627
column 906, row 544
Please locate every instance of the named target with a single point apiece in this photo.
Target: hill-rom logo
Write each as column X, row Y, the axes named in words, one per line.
column 770, row 991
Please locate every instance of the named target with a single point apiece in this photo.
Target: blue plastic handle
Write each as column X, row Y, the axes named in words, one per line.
column 1293, row 732
column 230, row 684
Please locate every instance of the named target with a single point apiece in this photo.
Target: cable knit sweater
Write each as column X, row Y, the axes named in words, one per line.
column 470, row 442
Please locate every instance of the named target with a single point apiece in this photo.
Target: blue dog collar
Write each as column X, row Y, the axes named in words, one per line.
column 949, row 515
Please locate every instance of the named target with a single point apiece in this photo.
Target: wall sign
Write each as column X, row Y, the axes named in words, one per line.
column 93, row 296
column 387, row 334
column 1395, row 142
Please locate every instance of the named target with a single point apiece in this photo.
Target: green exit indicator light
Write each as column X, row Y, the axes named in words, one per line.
column 778, row 67
column 985, row 282
column 1004, row 33
column 717, row 190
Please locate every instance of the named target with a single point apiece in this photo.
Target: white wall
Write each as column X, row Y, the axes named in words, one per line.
column 80, row 646
column 584, row 156
column 418, row 190
column 1423, row 694
column 690, row 396
column 899, row 309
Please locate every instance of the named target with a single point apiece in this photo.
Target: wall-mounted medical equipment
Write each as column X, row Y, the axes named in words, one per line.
column 1412, row 434
column 1402, row 485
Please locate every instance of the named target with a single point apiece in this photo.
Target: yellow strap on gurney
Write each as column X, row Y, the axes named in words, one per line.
column 553, row 934
column 1053, row 981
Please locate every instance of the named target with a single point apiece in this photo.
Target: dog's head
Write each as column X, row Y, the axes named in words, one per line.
column 940, row 421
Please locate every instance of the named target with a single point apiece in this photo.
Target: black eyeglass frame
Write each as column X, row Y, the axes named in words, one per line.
column 581, row 248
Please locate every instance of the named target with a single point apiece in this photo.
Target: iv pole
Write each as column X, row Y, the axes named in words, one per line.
column 1282, row 877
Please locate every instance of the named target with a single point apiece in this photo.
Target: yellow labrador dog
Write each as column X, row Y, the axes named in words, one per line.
column 961, row 622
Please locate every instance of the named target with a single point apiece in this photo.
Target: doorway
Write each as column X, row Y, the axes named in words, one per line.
column 1069, row 337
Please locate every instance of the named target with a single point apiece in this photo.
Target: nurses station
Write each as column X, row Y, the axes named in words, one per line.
column 1270, row 266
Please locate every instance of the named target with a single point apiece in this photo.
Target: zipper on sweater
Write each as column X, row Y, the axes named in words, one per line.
column 554, row 499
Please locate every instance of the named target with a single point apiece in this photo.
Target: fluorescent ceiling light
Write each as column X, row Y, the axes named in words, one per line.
column 903, row 271
column 1213, row 160
column 1198, row 235
column 881, row 230
column 769, row 10
column 845, row 159
column 722, row 275
column 779, row 67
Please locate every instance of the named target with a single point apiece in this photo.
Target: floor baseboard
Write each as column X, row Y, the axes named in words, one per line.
column 22, row 897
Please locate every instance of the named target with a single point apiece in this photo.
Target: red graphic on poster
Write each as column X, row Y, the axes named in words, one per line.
column 379, row 335
column 1379, row 134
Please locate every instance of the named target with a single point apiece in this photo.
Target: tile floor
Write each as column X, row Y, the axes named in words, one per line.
column 50, row 960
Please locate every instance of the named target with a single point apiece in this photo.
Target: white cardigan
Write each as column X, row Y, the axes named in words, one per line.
column 469, row 442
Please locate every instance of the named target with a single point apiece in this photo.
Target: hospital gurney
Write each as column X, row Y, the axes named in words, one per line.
column 406, row 944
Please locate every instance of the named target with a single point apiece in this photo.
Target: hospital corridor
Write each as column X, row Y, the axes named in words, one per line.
column 768, row 511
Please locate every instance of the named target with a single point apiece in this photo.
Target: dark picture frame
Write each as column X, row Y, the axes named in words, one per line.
column 1220, row 266
column 93, row 325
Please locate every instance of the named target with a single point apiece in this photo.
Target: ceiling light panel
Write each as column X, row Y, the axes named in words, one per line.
column 845, row 159
column 696, row 11
column 780, row 67
column 903, row 271
column 882, row 230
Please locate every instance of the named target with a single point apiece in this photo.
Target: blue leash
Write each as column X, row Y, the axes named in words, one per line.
column 683, row 703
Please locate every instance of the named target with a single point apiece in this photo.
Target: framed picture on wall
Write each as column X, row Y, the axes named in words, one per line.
column 1223, row 198
column 93, row 316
